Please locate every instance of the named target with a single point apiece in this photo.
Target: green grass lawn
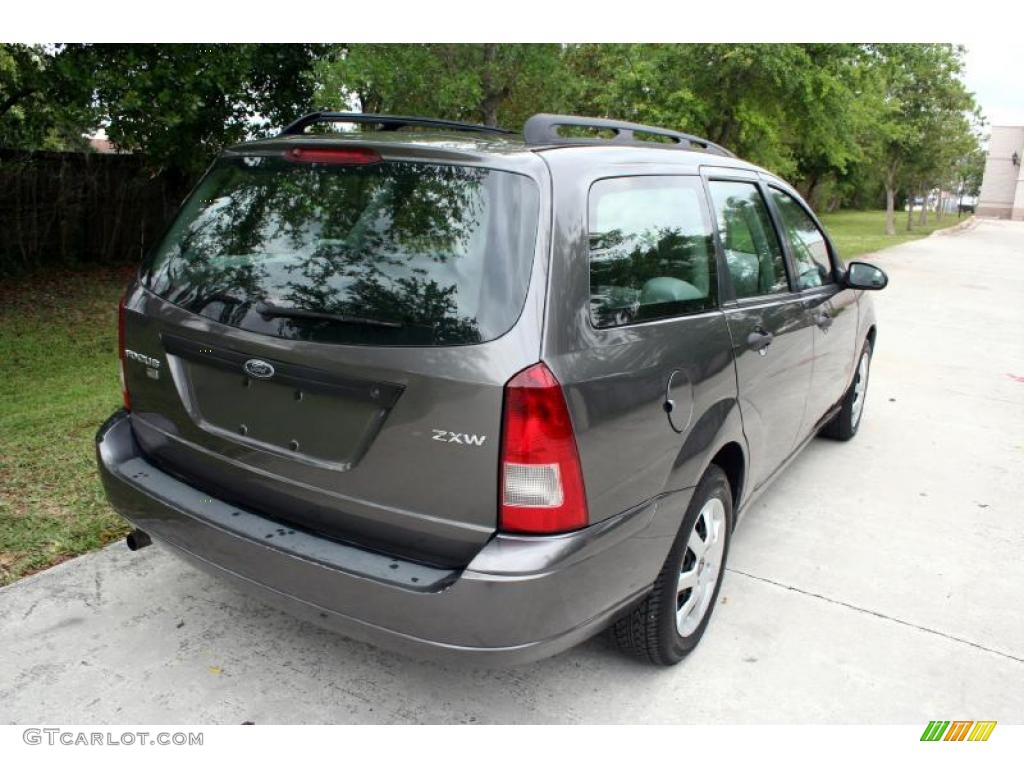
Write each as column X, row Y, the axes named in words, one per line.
column 859, row 232
column 58, row 382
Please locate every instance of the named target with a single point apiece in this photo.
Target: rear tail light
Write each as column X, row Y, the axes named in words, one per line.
column 120, row 353
column 333, row 155
column 541, row 480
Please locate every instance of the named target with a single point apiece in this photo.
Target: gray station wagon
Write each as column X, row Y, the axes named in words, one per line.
column 450, row 389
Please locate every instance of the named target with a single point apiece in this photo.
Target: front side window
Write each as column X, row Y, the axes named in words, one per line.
column 651, row 249
column 752, row 249
column 390, row 253
column 810, row 250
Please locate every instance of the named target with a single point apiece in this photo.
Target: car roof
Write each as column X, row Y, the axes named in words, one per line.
column 480, row 146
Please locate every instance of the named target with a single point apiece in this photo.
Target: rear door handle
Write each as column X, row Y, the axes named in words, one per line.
column 759, row 339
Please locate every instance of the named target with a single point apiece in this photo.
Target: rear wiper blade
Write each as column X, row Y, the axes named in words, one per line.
column 272, row 310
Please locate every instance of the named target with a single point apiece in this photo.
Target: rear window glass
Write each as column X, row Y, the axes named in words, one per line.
column 392, row 253
column 651, row 249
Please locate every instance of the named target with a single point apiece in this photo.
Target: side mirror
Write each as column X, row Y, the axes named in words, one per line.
column 865, row 277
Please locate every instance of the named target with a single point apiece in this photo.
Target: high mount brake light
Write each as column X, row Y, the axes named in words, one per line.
column 333, row 155
column 541, row 478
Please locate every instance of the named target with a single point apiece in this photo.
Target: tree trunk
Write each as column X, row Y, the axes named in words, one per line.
column 492, row 96
column 922, row 217
column 810, row 187
column 910, row 211
column 9, row 103
column 938, row 207
column 370, row 101
column 489, row 110
column 890, row 209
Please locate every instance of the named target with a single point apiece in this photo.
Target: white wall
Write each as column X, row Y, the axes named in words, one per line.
column 1002, row 188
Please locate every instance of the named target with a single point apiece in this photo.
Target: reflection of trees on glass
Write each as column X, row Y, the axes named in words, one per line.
column 752, row 250
column 623, row 264
column 408, row 243
column 736, row 218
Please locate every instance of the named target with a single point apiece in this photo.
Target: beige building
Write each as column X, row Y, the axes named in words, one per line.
column 1002, row 187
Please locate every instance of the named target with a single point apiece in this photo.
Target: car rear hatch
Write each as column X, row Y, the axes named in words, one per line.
column 324, row 334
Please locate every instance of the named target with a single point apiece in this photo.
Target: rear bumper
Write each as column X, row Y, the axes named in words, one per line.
column 520, row 599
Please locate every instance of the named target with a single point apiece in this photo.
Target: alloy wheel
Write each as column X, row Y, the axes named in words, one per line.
column 860, row 388
column 702, row 563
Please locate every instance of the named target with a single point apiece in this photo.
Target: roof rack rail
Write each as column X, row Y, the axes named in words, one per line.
column 386, row 122
column 542, row 129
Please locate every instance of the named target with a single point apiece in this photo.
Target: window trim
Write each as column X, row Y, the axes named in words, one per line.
column 713, row 174
column 714, row 263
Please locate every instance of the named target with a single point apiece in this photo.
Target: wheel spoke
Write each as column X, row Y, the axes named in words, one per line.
column 687, row 580
column 685, row 609
column 696, row 544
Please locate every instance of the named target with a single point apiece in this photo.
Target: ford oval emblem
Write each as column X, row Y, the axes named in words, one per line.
column 259, row 369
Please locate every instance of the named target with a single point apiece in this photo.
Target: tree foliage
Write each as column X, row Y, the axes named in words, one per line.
column 924, row 121
column 43, row 105
column 488, row 83
column 795, row 108
column 179, row 103
column 848, row 124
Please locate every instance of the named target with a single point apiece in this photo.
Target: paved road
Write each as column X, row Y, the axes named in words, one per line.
column 878, row 581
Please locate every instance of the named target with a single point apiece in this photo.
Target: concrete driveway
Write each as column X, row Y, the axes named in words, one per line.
column 879, row 581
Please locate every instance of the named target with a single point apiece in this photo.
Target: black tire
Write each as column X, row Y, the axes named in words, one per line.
column 649, row 630
column 844, row 425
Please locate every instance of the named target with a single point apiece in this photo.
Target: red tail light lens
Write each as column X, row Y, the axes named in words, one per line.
column 120, row 354
column 541, row 480
column 333, row 155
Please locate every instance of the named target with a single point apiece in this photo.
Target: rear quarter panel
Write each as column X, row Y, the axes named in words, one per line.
column 616, row 379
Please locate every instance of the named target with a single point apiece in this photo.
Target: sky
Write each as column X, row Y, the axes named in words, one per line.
column 995, row 72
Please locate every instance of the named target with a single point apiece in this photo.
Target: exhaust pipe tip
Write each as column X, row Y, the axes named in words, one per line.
column 137, row 539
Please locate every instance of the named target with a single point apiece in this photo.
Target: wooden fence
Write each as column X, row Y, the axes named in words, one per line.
column 73, row 209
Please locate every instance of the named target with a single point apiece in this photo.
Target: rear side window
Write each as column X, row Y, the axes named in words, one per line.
column 752, row 248
column 651, row 249
column 391, row 253
column 810, row 251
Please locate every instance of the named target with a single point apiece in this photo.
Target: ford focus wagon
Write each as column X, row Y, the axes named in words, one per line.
column 458, row 391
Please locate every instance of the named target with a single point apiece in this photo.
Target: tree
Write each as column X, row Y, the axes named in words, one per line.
column 968, row 172
column 804, row 111
column 489, row 83
column 178, row 104
column 734, row 95
column 924, row 124
column 832, row 115
column 41, row 107
column 182, row 103
column 845, row 123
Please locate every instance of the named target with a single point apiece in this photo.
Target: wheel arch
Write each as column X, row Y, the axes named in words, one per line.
column 715, row 438
column 731, row 459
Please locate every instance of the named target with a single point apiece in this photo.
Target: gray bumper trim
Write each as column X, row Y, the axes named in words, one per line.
column 521, row 598
column 359, row 562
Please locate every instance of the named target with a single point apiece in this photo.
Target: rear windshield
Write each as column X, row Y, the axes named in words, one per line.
column 392, row 253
